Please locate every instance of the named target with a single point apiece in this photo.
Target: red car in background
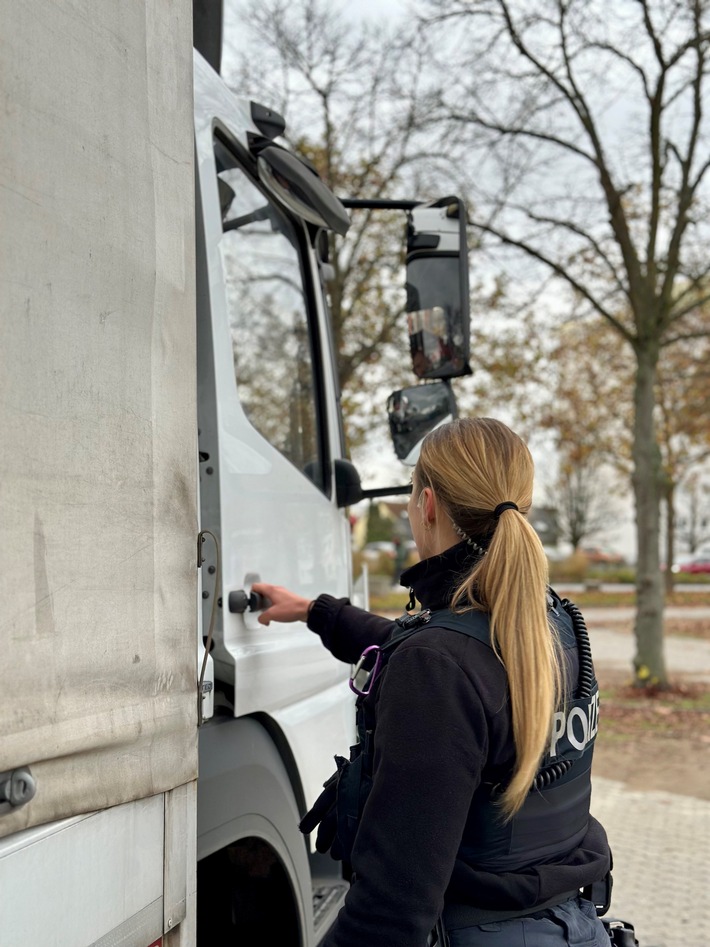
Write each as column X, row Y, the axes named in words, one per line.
column 694, row 564
column 598, row 556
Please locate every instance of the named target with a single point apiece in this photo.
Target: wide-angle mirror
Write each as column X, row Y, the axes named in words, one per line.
column 414, row 412
column 292, row 182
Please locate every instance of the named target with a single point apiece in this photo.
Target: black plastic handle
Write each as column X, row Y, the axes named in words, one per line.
column 240, row 601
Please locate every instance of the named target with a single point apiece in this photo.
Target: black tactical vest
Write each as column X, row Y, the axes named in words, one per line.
column 554, row 817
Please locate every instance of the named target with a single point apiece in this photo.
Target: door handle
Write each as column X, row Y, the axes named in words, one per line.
column 241, row 600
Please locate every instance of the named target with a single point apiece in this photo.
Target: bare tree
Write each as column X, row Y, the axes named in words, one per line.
column 583, row 408
column 586, row 124
column 589, row 406
column 358, row 106
column 582, row 502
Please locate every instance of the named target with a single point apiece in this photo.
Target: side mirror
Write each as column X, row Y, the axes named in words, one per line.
column 414, row 412
column 437, row 289
column 297, row 187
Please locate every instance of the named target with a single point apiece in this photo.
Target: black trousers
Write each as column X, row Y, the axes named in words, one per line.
column 573, row 923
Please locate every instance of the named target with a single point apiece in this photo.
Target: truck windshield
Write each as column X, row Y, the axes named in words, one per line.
column 268, row 318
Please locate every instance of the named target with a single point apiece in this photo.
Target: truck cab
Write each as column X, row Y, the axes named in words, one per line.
column 269, row 432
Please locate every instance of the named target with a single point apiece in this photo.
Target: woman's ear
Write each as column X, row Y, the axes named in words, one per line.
column 429, row 505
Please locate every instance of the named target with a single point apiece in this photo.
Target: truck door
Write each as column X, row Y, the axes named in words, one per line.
column 268, row 435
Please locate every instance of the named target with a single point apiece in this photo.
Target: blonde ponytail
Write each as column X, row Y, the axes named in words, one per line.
column 473, row 465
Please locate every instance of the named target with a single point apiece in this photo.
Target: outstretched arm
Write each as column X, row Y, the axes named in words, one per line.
column 344, row 629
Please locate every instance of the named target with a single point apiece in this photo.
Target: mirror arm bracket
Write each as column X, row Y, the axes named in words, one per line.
column 378, row 204
column 386, row 491
column 385, row 204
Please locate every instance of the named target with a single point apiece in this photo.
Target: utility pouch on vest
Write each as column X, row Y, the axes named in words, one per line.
column 337, row 810
column 324, row 811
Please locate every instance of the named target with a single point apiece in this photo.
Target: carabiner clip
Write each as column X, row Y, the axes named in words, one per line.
column 370, row 680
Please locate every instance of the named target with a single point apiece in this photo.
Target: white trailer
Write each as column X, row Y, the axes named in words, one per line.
column 170, row 434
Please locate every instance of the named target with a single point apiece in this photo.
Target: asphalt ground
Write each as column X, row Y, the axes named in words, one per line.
column 660, row 840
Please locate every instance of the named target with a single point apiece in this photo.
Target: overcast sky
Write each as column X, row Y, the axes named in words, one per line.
column 373, row 9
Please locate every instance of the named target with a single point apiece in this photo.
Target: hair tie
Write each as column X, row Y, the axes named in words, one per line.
column 502, row 507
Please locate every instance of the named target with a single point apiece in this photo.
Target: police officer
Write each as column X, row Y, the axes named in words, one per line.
column 466, row 799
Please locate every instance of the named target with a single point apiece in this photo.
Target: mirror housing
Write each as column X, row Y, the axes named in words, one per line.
column 297, row 186
column 348, row 488
column 414, row 412
column 438, row 316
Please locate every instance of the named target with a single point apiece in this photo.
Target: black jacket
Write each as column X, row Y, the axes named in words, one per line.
column 442, row 727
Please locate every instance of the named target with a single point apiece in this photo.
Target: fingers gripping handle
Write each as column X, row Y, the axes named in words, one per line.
column 241, row 600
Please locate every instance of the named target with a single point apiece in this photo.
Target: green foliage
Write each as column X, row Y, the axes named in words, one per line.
column 576, row 569
column 382, row 565
column 625, row 575
column 394, row 601
column 572, row 569
column 390, row 603
column 688, row 578
column 379, row 528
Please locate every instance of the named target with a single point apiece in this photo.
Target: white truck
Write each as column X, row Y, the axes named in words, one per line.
column 171, row 433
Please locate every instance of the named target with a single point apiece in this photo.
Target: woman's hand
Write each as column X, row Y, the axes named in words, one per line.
column 285, row 606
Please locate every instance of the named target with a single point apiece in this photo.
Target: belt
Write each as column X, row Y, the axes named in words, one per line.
column 457, row 916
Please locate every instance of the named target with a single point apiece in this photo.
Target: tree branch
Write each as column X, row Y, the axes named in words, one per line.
column 685, row 191
column 686, row 337
column 583, row 234
column 563, row 274
column 518, row 131
column 578, row 104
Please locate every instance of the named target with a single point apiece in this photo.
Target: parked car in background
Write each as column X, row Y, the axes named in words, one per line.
column 694, row 564
column 598, row 556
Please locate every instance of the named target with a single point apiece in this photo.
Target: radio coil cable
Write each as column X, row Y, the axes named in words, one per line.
column 585, row 685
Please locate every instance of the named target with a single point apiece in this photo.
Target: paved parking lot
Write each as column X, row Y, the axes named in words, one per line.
column 661, row 845
column 660, row 840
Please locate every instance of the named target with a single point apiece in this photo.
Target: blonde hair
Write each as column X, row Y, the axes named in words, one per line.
column 472, row 465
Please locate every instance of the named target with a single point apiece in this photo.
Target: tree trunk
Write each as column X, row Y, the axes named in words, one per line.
column 649, row 664
column 670, row 536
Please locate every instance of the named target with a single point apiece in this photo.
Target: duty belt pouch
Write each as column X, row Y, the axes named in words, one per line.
column 621, row 933
column 353, row 789
column 323, row 812
column 337, row 810
column 599, row 893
